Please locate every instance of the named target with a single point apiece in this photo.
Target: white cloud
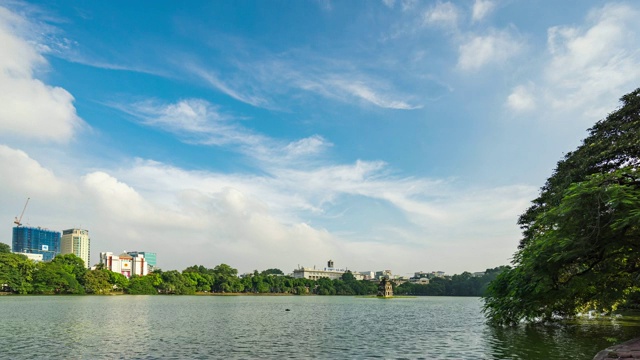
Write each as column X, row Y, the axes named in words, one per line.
column 481, row 50
column 307, row 146
column 482, row 8
column 193, row 120
column 521, row 99
column 389, row 3
column 408, row 5
column 27, row 176
column 442, row 14
column 587, row 67
column 591, row 66
column 28, row 107
column 266, row 221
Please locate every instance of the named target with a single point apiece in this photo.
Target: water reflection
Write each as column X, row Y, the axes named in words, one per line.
column 578, row 340
column 150, row 327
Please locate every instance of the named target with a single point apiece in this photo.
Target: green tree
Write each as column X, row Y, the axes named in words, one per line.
column 273, row 271
column 144, row 285
column 55, row 278
column 226, row 279
column 97, row 282
column 16, row 273
column 118, row 281
column 4, row 248
column 348, row 276
column 581, row 237
column 202, row 282
column 72, row 265
column 173, row 282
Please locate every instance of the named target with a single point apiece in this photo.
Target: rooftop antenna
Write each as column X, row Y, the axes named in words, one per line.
column 17, row 221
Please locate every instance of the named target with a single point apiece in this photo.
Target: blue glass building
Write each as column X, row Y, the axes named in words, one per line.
column 149, row 257
column 36, row 241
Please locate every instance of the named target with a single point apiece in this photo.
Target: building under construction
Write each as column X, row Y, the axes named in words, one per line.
column 35, row 240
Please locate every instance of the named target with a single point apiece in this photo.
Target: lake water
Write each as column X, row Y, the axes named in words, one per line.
column 250, row 327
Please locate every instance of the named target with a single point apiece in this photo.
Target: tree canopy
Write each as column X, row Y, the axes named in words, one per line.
column 4, row 248
column 581, row 237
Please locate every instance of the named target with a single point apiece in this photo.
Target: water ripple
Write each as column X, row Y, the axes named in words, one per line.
column 208, row 327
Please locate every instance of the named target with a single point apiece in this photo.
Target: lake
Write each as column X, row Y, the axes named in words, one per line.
column 249, row 327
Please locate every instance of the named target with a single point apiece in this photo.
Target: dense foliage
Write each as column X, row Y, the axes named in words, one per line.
column 581, row 237
column 66, row 274
column 464, row 284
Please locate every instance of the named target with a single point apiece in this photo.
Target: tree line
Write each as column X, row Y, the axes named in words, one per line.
column 67, row 274
column 465, row 284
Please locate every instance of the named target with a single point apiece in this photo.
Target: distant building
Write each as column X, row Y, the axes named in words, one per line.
column 328, row 272
column 32, row 240
column 420, row 281
column 367, row 275
column 383, row 274
column 149, row 257
column 77, row 242
column 431, row 275
column 125, row 264
column 34, row 257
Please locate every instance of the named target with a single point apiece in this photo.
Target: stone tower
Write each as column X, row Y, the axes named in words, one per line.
column 385, row 289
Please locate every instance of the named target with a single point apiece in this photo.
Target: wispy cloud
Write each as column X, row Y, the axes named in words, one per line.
column 521, row 99
column 211, row 77
column 389, row 3
column 349, row 87
column 495, row 47
column 196, row 121
column 481, row 9
column 442, row 14
column 280, row 76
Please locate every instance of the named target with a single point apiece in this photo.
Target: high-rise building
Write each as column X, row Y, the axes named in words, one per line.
column 149, row 257
column 35, row 240
column 77, row 242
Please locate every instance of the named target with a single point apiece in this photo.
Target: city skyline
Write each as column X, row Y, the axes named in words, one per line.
column 399, row 135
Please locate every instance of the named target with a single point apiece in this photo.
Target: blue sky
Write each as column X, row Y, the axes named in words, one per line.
column 402, row 135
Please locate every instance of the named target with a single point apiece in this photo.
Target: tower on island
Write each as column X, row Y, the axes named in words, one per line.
column 385, row 289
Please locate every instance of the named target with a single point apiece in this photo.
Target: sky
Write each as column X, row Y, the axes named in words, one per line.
column 401, row 135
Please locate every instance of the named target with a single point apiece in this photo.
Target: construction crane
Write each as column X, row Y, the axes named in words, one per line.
column 19, row 221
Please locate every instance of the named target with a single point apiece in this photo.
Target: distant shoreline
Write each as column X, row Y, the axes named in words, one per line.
column 229, row 294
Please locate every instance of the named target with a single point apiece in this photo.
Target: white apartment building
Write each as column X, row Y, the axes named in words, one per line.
column 77, row 242
column 330, row 272
column 125, row 264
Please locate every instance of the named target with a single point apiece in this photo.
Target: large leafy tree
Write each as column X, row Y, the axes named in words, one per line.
column 16, row 273
column 4, row 248
column 72, row 265
column 581, row 237
column 55, row 278
column 144, row 285
column 97, row 281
